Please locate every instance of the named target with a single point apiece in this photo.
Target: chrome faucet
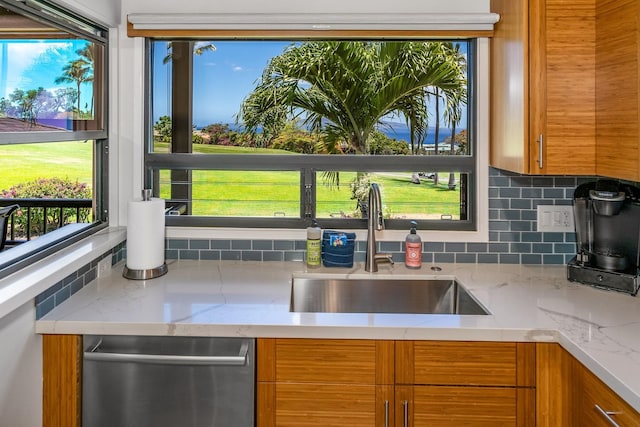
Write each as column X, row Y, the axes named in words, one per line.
column 375, row 222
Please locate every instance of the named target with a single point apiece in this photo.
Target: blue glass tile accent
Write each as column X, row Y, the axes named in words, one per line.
column 241, row 244
column 198, row 244
column 220, row 244
column 509, row 259
column 62, row 295
column 283, row 245
column 432, row 246
column 542, row 248
column 553, row 259
column 477, row 247
column 391, row 246
column 487, row 258
column 531, row 259
column 466, row 258
column 293, row 256
column 531, row 237
column 444, row 257
column 210, row 255
column 273, row 256
column 178, row 244
column 189, row 254
column 455, row 247
column 231, row 255
column 521, row 248
column 520, row 204
column 553, row 237
column 262, row 245
column 499, row 247
column 251, row 256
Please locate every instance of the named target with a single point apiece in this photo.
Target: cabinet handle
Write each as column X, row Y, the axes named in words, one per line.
column 405, row 409
column 540, row 150
column 607, row 415
column 386, row 413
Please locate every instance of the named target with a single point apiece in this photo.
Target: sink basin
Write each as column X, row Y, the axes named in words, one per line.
column 373, row 295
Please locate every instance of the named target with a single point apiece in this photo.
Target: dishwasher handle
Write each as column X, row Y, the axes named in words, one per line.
column 161, row 359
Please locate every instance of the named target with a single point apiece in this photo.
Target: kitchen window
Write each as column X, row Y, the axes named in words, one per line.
column 275, row 132
column 53, row 132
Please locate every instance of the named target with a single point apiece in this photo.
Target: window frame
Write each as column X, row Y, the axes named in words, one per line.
column 308, row 164
column 66, row 20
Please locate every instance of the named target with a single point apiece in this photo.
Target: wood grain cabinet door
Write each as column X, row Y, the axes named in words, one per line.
column 324, row 383
column 543, row 101
column 597, row 405
column 454, row 406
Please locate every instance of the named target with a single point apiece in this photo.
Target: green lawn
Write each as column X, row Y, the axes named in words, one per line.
column 27, row 162
column 233, row 193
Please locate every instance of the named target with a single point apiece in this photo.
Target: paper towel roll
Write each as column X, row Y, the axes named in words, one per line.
column 145, row 234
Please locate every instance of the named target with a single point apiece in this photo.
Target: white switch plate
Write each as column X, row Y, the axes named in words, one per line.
column 555, row 219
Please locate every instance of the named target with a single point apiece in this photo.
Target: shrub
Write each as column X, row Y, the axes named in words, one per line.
column 47, row 188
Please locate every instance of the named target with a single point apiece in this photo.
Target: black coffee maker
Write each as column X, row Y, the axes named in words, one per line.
column 607, row 219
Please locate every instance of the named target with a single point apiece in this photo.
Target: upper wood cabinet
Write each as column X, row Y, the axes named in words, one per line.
column 617, row 89
column 543, row 84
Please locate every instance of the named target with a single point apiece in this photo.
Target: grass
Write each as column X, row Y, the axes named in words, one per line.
column 239, row 193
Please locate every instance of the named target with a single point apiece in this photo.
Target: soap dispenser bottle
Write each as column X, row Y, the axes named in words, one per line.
column 413, row 248
column 314, row 245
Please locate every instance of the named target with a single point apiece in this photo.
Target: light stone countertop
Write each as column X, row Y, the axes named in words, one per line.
column 236, row 298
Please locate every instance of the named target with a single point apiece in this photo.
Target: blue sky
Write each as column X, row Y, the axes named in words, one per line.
column 222, row 78
column 29, row 64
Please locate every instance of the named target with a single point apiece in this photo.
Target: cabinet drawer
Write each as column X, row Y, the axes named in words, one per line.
column 595, row 392
column 457, row 363
column 444, row 406
column 326, row 361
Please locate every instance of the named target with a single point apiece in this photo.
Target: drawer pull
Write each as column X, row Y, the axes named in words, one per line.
column 386, row 413
column 405, row 408
column 607, row 415
column 540, row 150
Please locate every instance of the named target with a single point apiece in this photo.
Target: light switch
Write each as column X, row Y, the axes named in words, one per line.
column 555, row 219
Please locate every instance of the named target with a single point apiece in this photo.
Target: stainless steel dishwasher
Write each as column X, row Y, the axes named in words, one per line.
column 133, row 381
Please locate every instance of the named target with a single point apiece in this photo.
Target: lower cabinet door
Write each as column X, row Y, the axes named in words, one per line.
column 599, row 406
column 324, row 405
column 445, row 406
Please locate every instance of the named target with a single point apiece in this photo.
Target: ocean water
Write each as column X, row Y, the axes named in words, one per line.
column 397, row 131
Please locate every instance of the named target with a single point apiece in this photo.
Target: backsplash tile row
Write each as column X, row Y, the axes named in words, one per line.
column 60, row 291
column 513, row 239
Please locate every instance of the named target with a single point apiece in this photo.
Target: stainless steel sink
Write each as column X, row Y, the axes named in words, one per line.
column 382, row 295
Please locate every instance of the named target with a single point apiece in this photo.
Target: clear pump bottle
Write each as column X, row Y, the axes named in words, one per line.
column 314, row 245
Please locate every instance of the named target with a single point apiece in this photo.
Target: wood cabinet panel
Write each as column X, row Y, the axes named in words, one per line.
column 445, row 406
column 543, row 87
column 62, row 380
column 594, row 392
column 465, row 363
column 617, row 94
column 326, row 361
column 555, row 385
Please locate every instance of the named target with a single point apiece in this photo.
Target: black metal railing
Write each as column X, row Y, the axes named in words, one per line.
column 36, row 216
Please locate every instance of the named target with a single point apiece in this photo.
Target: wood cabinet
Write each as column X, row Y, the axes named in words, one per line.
column 306, row 382
column 464, row 383
column 597, row 405
column 618, row 89
column 543, row 84
column 569, row 394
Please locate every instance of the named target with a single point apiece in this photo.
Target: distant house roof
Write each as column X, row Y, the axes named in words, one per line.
column 10, row 124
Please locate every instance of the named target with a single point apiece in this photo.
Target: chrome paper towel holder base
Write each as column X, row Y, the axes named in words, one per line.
column 151, row 273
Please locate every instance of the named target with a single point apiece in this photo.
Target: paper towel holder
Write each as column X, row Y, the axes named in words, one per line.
column 150, row 273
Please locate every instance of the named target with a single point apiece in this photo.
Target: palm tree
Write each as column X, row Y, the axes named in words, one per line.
column 453, row 112
column 77, row 72
column 198, row 49
column 87, row 59
column 346, row 88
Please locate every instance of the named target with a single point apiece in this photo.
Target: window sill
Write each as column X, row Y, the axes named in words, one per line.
column 24, row 285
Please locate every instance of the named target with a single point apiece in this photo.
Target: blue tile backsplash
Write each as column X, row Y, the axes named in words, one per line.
column 513, row 239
